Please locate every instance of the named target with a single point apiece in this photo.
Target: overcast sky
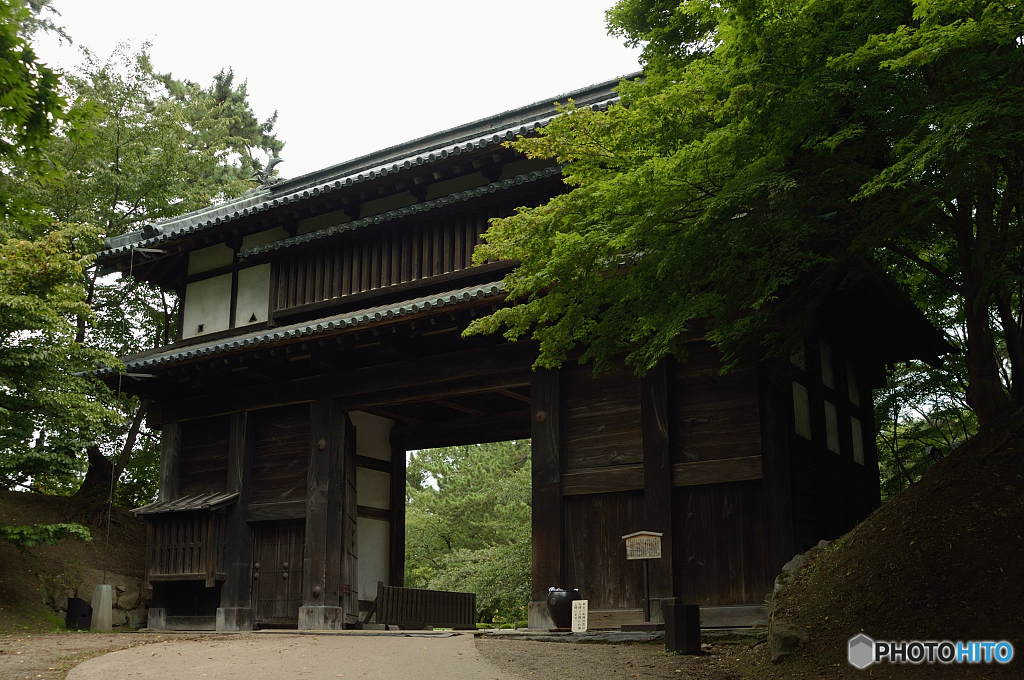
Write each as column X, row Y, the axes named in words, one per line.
column 348, row 78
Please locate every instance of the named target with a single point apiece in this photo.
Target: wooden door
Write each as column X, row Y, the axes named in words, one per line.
column 277, row 572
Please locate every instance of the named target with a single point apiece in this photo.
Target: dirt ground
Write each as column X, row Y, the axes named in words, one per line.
column 50, row 657
column 574, row 661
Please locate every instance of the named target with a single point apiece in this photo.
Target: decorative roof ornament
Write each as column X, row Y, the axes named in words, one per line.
column 266, row 176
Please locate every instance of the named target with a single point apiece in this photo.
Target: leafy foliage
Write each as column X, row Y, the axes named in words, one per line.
column 144, row 147
column 468, row 525
column 39, row 534
column 774, row 154
column 48, row 411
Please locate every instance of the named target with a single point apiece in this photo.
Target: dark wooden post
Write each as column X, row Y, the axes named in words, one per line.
column 658, row 481
column 235, row 612
column 775, row 404
column 170, row 461
column 682, row 626
column 323, row 563
column 397, row 571
column 547, row 429
column 170, row 473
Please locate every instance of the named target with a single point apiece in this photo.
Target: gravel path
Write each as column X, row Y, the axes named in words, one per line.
column 273, row 656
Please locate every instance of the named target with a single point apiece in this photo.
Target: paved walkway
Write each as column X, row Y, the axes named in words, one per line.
column 284, row 656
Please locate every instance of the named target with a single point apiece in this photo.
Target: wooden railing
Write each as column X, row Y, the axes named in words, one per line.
column 416, row 608
column 186, row 546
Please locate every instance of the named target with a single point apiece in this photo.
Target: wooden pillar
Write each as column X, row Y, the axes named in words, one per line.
column 235, row 612
column 397, row 571
column 775, row 405
column 325, row 579
column 548, row 523
column 658, row 482
column 170, row 461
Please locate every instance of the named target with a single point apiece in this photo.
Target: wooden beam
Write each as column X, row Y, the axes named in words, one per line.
column 170, row 461
column 657, row 476
column 513, row 395
column 237, row 588
column 456, row 373
column 548, row 524
column 608, row 479
column 456, row 407
column 775, row 408
column 322, row 584
column 717, row 471
column 474, row 430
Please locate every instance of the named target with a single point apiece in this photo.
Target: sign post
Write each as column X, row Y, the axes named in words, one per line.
column 646, row 546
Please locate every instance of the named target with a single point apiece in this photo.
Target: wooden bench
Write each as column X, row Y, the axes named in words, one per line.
column 418, row 608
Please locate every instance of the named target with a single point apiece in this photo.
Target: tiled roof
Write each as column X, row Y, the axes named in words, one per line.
column 336, row 322
column 424, row 151
column 414, row 209
column 203, row 501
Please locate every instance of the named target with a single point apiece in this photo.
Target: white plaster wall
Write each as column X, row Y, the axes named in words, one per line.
column 373, row 435
column 373, row 543
column 206, row 259
column 262, row 238
column 453, row 186
column 801, row 411
column 207, row 302
column 373, row 488
column 324, row 221
column 253, row 297
column 831, row 427
column 382, row 205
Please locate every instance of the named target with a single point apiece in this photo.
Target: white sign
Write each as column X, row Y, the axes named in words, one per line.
column 579, row 616
column 643, row 545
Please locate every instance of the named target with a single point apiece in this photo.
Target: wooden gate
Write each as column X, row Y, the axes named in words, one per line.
column 277, row 572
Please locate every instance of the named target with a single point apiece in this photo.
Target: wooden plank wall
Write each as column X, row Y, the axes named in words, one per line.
column 280, row 462
column 718, row 505
column 603, row 437
column 204, row 456
column 595, row 554
column 602, row 484
column 413, row 250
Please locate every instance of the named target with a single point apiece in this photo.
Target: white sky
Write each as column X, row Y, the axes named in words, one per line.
column 348, row 78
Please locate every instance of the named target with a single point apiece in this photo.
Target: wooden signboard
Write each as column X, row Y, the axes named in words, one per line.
column 579, row 616
column 643, row 545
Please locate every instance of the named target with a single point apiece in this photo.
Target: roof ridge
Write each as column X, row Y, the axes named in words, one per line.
column 328, row 323
column 362, row 169
column 407, row 211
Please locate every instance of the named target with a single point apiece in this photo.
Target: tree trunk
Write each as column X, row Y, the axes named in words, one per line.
column 96, row 484
column 129, row 442
column 985, row 392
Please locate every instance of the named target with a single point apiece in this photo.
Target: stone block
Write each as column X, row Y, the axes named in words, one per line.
column 321, row 618
column 157, row 618
column 784, row 639
column 539, row 616
column 235, row 619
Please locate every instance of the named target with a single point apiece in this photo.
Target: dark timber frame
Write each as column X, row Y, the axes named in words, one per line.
column 282, row 477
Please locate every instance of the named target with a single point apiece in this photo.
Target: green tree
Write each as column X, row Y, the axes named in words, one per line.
column 468, row 525
column 147, row 148
column 774, row 154
column 40, row 290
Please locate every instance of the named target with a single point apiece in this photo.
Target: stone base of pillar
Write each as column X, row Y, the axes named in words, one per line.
column 102, row 608
column 321, row 618
column 157, row 618
column 234, row 619
column 539, row 616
